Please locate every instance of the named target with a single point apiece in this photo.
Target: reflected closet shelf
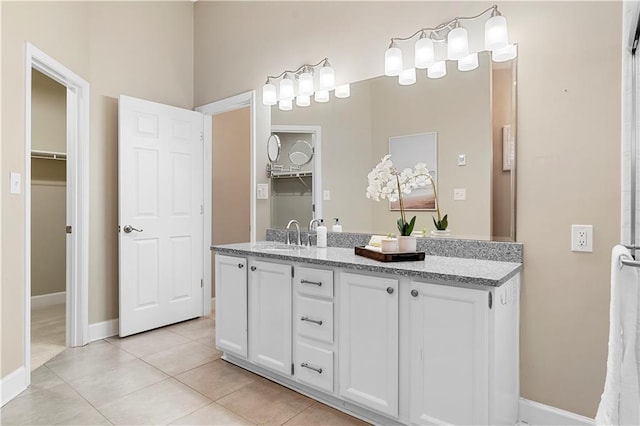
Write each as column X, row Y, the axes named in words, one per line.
column 48, row 155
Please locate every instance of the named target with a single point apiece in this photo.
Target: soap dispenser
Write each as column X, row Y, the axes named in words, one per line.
column 321, row 235
column 336, row 225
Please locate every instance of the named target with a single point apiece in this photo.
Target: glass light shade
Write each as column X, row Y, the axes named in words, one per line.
column 437, row 70
column 269, row 96
column 457, row 44
column 343, row 91
column 407, row 77
column 321, row 96
column 424, row 53
column 285, row 104
column 303, row 100
column 392, row 61
column 496, row 35
column 507, row 53
column 468, row 63
column 286, row 89
column 327, row 78
column 305, row 84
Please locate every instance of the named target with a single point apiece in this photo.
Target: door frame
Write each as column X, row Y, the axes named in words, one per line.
column 77, row 206
column 242, row 100
column 316, row 138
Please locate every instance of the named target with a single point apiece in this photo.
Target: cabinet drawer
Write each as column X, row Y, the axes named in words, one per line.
column 314, row 366
column 314, row 282
column 314, row 319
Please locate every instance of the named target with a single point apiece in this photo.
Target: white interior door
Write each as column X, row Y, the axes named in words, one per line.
column 160, row 195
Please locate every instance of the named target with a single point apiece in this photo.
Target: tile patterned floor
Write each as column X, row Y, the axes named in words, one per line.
column 173, row 375
column 47, row 333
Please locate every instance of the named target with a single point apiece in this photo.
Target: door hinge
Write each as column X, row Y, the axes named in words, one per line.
column 490, row 300
column 201, row 283
column 313, row 207
column 292, row 272
column 292, row 369
column 202, row 136
column 69, row 229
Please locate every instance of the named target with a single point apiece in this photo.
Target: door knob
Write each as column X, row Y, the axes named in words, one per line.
column 390, row 290
column 253, row 268
column 240, row 265
column 128, row 229
column 414, row 293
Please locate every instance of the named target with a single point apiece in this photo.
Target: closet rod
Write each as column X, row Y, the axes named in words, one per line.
column 49, row 155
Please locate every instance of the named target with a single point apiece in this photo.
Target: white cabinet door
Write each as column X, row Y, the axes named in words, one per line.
column 270, row 329
column 369, row 341
column 231, row 304
column 449, row 355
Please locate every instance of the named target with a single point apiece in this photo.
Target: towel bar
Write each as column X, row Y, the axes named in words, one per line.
column 624, row 260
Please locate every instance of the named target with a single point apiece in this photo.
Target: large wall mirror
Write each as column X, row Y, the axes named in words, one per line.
column 473, row 115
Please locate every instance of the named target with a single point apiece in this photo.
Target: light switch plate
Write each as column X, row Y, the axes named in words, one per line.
column 16, row 183
column 326, row 195
column 459, row 194
column 462, row 160
column 263, row 191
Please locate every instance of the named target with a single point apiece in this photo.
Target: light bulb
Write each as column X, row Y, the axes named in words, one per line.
column 327, row 78
column 305, row 84
column 286, row 89
column 507, row 53
column 303, row 100
column 285, row 104
column 392, row 61
column 407, row 77
column 343, row 91
column 437, row 70
column 269, row 96
column 321, row 96
column 468, row 63
column 424, row 53
column 496, row 35
column 457, row 44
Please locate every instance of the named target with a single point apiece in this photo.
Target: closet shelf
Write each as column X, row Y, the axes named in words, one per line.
column 48, row 155
column 292, row 174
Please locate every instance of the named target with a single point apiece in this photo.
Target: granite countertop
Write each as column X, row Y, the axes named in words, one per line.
column 470, row 271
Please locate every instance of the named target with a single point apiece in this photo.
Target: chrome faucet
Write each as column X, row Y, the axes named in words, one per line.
column 293, row 222
column 310, row 234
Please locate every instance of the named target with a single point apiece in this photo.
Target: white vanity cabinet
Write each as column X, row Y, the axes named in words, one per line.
column 449, row 341
column 369, row 341
column 231, row 304
column 270, row 315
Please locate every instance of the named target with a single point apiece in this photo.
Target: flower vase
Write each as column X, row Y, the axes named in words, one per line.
column 441, row 233
column 407, row 244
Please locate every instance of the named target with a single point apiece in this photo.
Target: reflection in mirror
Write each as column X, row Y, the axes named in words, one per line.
column 273, row 148
column 294, row 180
column 474, row 116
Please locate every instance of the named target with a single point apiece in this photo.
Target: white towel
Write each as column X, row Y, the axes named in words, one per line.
column 620, row 402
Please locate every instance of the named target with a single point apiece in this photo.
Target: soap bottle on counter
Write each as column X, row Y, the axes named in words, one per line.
column 336, row 225
column 321, row 235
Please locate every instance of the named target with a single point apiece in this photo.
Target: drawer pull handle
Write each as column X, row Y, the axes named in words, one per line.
column 240, row 265
column 390, row 290
column 414, row 293
column 319, row 322
column 318, row 283
column 316, row 369
column 253, row 268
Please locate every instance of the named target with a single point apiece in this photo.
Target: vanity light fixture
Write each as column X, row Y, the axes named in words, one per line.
column 305, row 88
column 456, row 38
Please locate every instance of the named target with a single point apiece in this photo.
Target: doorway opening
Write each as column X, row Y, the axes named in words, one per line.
column 229, row 178
column 56, row 172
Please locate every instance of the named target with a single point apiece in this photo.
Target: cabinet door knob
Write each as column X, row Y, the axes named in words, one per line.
column 390, row 290
column 414, row 293
column 240, row 265
column 253, row 268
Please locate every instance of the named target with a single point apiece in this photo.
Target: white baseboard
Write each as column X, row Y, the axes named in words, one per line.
column 12, row 385
column 48, row 299
column 104, row 329
column 534, row 413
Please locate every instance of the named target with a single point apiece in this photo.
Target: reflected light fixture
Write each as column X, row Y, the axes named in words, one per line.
column 307, row 86
column 407, row 77
column 454, row 38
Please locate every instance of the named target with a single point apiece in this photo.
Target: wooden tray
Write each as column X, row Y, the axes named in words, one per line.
column 389, row 257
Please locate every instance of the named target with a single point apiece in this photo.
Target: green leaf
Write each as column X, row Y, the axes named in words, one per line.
column 400, row 225
column 434, row 222
column 410, row 226
column 444, row 223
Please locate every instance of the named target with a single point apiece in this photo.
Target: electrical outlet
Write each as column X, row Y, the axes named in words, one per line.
column 326, row 195
column 15, row 183
column 462, row 160
column 582, row 238
column 262, row 192
column 459, row 194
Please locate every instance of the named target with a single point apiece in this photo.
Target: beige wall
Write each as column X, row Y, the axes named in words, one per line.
column 48, row 114
column 501, row 185
column 230, row 189
column 568, row 128
column 141, row 49
column 48, row 220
